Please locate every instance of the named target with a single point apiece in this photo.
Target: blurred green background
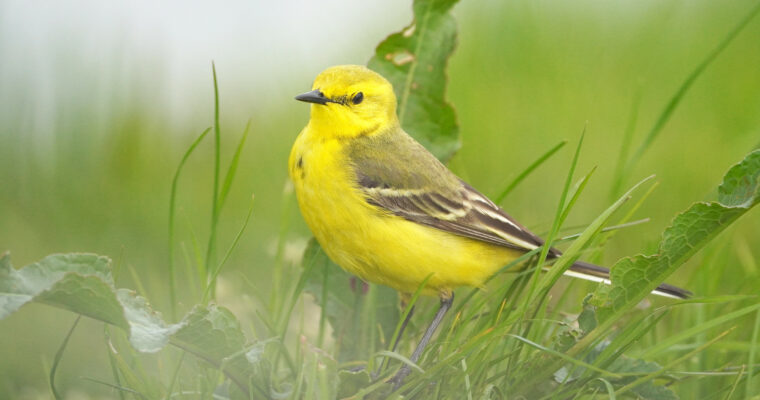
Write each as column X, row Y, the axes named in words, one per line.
column 98, row 103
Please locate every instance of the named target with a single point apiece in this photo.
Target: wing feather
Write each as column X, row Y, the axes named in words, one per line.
column 463, row 211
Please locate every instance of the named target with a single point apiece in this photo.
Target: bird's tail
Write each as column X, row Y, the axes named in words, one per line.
column 591, row 272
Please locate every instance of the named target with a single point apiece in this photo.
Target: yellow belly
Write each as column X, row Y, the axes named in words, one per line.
column 376, row 246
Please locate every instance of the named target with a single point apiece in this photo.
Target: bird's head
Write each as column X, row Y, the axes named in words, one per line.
column 350, row 101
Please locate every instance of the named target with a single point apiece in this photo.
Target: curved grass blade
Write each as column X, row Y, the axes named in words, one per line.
column 218, row 269
column 57, row 359
column 527, row 171
column 211, row 248
column 751, row 356
column 695, row 330
column 230, row 176
column 664, row 369
column 172, row 207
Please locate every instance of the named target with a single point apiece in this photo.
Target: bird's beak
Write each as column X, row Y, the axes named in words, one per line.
column 315, row 96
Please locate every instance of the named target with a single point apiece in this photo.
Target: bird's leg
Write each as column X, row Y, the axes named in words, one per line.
column 446, row 300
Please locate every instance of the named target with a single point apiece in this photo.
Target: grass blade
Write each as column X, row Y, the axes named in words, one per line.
column 555, row 226
column 230, row 176
column 654, row 375
column 175, row 376
column 528, row 171
column 211, row 249
column 111, row 360
column 736, row 383
column 393, row 354
column 751, row 357
column 57, row 359
column 212, row 281
column 625, row 146
column 572, row 253
column 172, row 207
column 565, row 357
column 121, row 389
column 687, row 333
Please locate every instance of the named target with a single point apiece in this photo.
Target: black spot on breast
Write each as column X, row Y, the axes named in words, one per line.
column 299, row 164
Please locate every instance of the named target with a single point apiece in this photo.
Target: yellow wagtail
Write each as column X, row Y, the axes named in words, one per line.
column 386, row 210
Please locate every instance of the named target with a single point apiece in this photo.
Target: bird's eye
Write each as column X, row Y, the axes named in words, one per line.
column 358, row 98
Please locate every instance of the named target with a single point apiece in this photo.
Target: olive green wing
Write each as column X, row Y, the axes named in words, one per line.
column 397, row 175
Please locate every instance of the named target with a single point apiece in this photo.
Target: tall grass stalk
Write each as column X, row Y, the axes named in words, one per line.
column 211, row 247
column 749, row 384
column 58, row 357
column 524, row 174
column 556, row 224
column 172, row 207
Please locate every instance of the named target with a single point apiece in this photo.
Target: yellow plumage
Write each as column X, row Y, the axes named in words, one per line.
column 386, row 210
column 375, row 245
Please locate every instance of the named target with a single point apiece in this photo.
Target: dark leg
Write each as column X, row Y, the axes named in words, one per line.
column 446, row 301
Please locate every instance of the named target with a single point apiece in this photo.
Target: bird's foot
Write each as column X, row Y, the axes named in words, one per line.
column 398, row 379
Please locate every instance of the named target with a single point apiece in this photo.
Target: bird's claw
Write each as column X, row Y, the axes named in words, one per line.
column 398, row 379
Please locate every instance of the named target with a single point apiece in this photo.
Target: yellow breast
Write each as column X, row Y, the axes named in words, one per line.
column 374, row 245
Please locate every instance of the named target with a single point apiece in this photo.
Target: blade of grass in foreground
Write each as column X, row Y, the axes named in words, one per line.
column 681, row 336
column 172, row 206
column 211, row 248
column 407, row 310
column 218, row 269
column 230, row 176
column 527, row 171
column 555, row 227
column 57, row 359
column 625, row 145
column 111, row 360
column 670, row 365
column 751, row 357
column 119, row 389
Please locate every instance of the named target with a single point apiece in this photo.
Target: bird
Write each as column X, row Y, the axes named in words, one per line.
column 388, row 211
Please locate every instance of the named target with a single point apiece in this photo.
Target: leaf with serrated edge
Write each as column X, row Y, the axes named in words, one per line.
column 77, row 282
column 633, row 278
column 648, row 390
column 414, row 61
column 82, row 283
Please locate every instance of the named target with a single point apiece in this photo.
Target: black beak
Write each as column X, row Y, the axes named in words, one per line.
column 315, row 96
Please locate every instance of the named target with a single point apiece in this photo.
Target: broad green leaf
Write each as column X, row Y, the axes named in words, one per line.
column 214, row 335
column 78, row 282
column 348, row 304
column 629, row 368
column 350, row 382
column 648, row 390
column 414, row 61
column 633, row 278
column 82, row 283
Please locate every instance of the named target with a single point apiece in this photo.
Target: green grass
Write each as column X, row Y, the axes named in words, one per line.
column 523, row 78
